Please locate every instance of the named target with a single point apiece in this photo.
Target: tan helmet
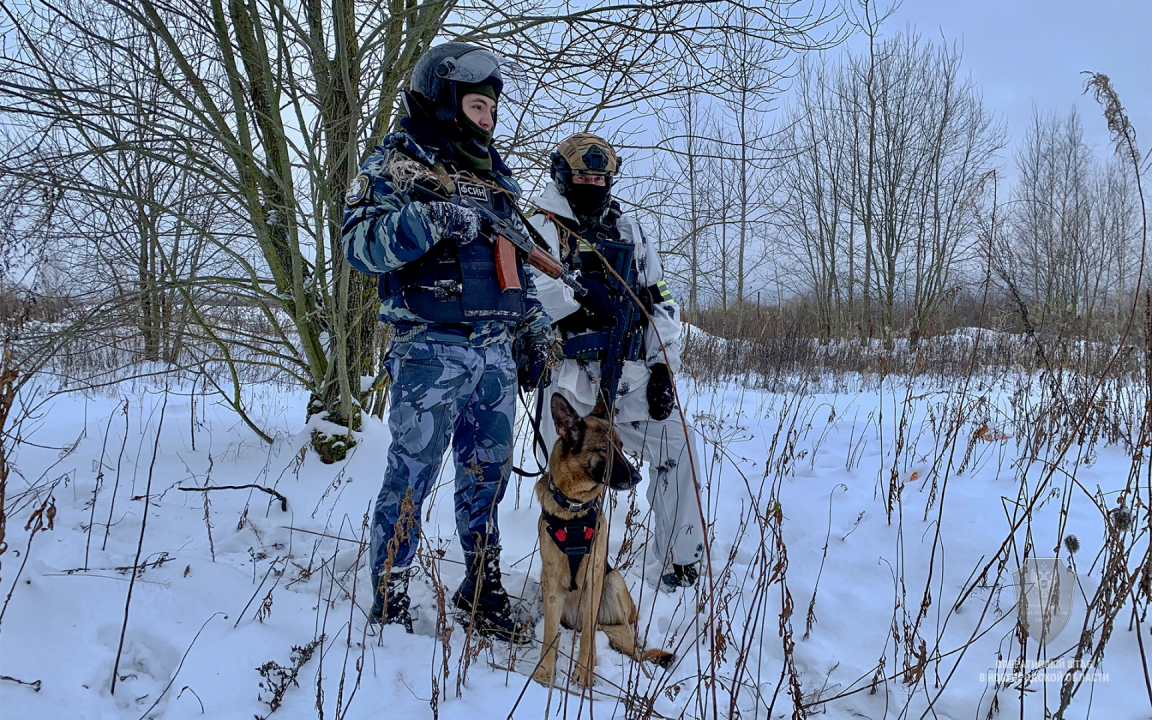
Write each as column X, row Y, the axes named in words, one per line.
column 584, row 153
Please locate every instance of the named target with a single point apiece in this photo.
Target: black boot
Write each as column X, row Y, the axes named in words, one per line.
column 390, row 602
column 681, row 576
column 489, row 607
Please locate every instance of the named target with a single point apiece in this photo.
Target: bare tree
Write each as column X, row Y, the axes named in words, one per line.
column 887, row 151
column 283, row 97
column 753, row 68
column 962, row 141
column 813, row 210
column 1074, row 224
column 685, row 189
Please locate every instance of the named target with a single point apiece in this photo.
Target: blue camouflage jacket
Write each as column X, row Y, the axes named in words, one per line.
column 393, row 229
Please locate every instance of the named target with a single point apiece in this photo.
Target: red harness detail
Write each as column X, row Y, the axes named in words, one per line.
column 561, row 535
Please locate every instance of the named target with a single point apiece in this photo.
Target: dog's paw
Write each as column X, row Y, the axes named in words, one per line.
column 543, row 676
column 582, row 677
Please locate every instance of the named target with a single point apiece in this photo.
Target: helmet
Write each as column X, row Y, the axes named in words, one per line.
column 585, row 153
column 434, row 79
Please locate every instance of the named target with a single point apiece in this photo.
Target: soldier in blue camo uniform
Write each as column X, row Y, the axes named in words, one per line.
column 451, row 360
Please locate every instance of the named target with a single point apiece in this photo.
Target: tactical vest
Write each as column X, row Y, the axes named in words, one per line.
column 451, row 284
column 585, row 337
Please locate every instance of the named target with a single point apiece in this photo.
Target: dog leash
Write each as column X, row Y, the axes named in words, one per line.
column 538, row 439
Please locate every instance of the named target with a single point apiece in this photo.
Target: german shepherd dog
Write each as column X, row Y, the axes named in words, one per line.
column 575, row 576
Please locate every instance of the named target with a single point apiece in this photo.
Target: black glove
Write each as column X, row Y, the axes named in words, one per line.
column 598, row 301
column 533, row 371
column 458, row 222
column 661, row 398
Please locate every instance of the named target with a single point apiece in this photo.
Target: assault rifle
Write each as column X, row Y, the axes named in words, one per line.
column 507, row 238
column 625, row 334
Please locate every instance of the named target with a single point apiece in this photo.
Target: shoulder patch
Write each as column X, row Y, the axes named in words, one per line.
column 357, row 191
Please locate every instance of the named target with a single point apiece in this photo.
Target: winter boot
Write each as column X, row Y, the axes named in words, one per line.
column 390, row 602
column 488, row 604
column 681, row 576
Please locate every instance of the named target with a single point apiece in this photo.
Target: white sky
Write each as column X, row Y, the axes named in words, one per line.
column 1031, row 52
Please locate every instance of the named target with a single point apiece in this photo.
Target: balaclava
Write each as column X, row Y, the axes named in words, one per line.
column 587, row 154
column 473, row 142
column 587, row 201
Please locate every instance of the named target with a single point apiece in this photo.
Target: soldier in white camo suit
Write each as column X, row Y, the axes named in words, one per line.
column 451, row 360
column 578, row 214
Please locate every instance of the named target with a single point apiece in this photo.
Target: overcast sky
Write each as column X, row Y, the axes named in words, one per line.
column 1030, row 52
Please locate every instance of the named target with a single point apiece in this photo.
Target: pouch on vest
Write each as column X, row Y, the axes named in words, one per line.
column 451, row 284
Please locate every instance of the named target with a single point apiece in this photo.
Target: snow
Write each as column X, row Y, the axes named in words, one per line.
column 688, row 330
column 818, row 462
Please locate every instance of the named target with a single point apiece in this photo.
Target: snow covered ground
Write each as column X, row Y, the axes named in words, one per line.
column 797, row 489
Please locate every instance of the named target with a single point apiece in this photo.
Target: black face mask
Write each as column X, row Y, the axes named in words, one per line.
column 587, row 200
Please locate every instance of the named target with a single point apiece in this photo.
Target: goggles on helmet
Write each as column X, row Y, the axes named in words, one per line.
column 474, row 66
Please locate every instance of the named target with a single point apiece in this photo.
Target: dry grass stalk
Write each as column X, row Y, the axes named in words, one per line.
column 278, row 678
column 139, row 544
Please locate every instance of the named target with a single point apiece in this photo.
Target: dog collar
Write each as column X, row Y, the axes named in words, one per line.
column 568, row 503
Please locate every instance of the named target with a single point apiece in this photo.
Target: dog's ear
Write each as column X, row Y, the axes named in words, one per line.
column 569, row 426
column 601, row 409
column 563, row 414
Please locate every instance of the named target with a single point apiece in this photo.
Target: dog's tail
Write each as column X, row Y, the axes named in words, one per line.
column 663, row 658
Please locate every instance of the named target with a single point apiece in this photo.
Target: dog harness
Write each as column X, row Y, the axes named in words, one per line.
column 574, row 537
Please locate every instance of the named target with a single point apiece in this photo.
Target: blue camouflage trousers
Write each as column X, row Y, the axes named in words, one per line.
column 444, row 394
